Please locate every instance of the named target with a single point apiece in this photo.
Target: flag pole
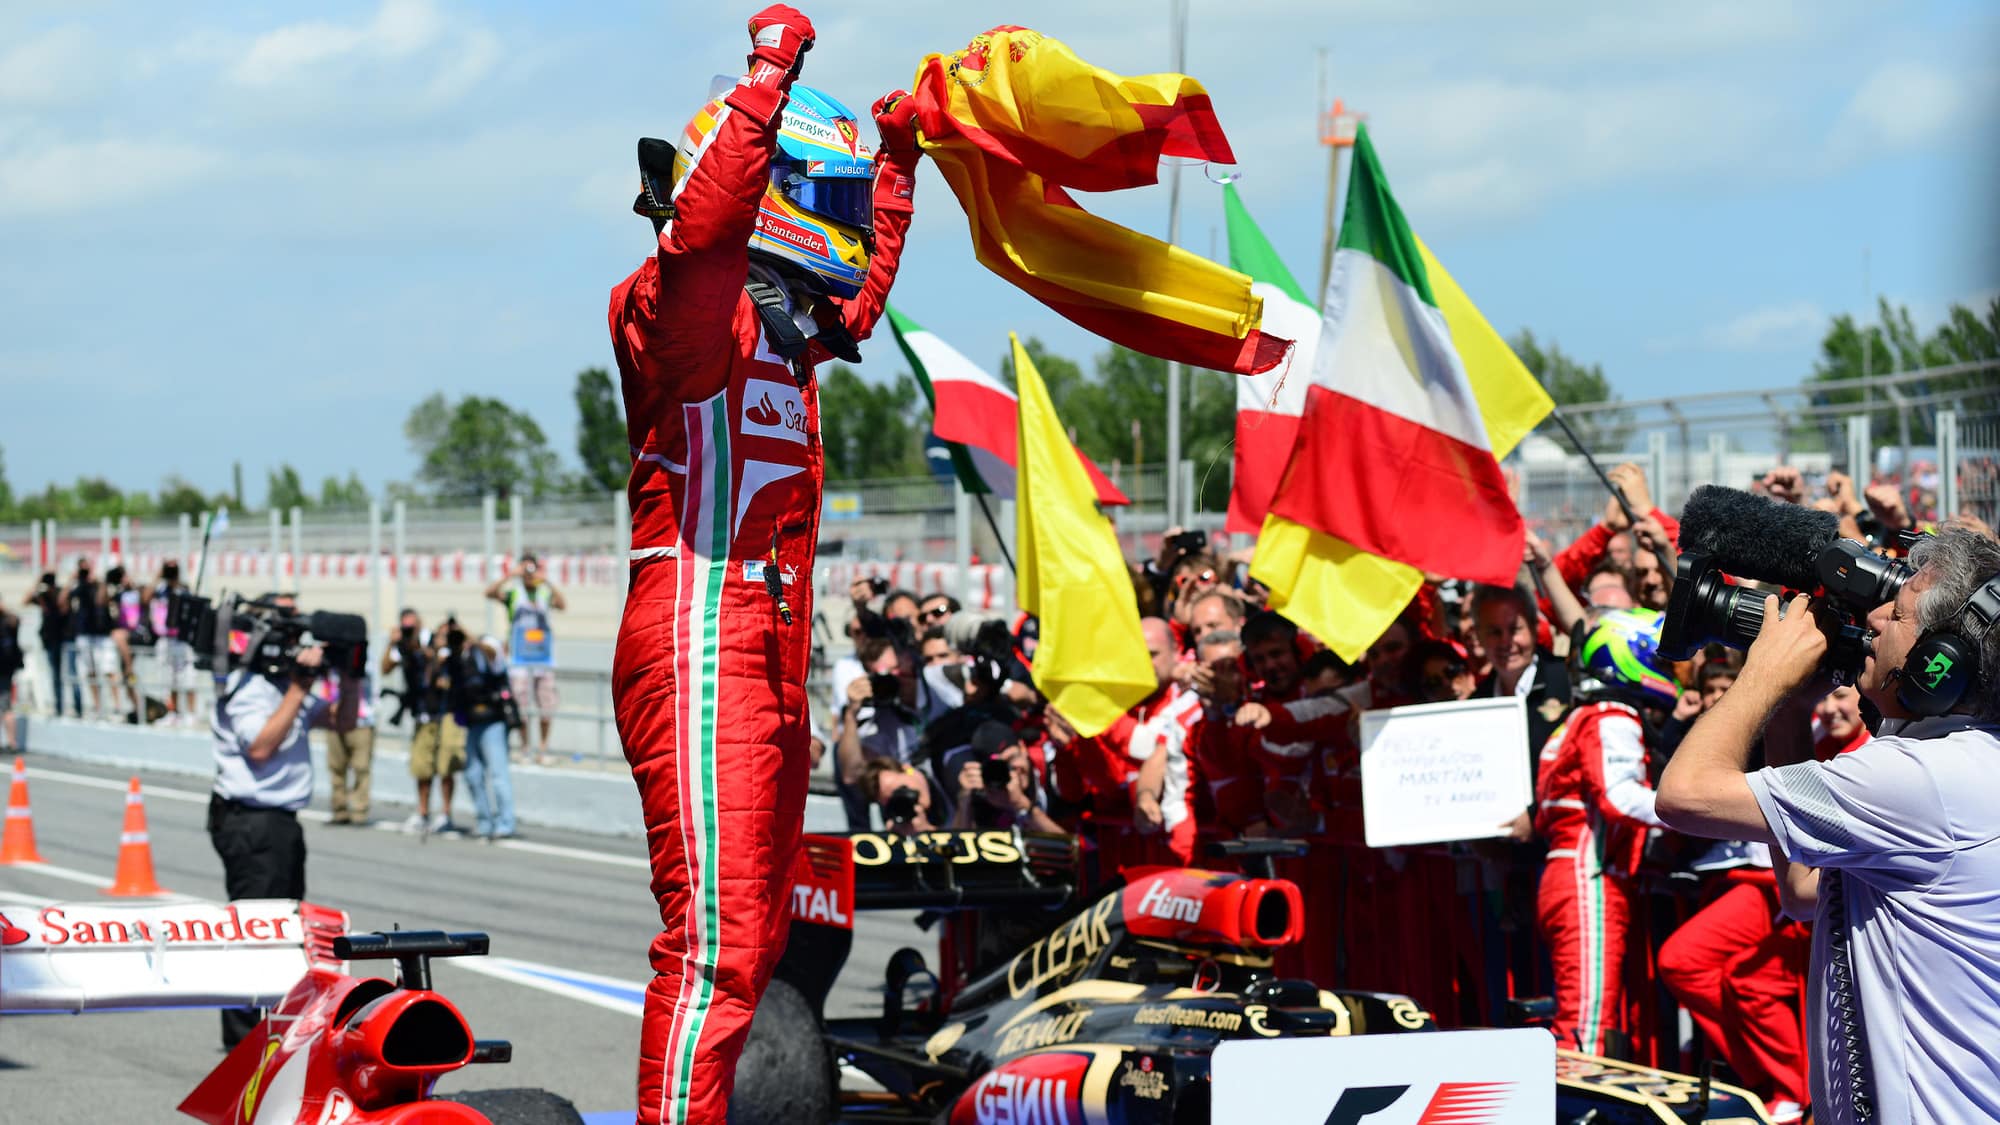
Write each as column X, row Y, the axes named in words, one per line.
column 1631, row 517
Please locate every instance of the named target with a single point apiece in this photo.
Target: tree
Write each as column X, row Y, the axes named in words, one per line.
column 1850, row 350
column 866, row 427
column 601, row 442
column 1570, row 383
column 351, row 493
column 6, row 490
column 284, row 491
column 479, row 445
column 178, row 495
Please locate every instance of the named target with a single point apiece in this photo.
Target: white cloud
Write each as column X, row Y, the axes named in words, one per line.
column 49, row 67
column 1903, row 104
column 79, row 176
column 400, row 30
column 1765, row 328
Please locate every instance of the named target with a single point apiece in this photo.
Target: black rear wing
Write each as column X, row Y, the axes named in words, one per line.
column 936, row 872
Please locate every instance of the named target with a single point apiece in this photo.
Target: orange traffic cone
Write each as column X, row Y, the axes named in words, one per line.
column 134, row 878
column 17, row 844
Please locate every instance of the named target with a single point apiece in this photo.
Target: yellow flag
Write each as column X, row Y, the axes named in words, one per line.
column 1091, row 659
column 1346, row 597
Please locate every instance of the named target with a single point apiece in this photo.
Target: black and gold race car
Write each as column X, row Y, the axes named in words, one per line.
column 1079, row 1009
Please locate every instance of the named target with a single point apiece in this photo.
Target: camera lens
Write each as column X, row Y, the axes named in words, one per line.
column 1705, row 609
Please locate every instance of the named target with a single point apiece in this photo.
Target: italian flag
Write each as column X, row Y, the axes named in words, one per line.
column 1392, row 455
column 1268, row 404
column 974, row 414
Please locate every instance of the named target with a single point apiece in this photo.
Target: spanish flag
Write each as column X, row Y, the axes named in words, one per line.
column 1091, row 661
column 1016, row 119
column 1413, row 400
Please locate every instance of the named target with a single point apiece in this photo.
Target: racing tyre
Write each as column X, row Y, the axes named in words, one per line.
column 519, row 1106
column 785, row 1075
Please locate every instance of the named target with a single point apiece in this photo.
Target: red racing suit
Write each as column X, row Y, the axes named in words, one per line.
column 709, row 679
column 1166, row 722
column 1593, row 806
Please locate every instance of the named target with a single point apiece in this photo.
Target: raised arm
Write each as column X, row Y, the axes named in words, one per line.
column 895, row 185
column 683, row 313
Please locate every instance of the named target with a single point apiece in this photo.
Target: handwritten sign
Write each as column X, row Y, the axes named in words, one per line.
column 1444, row 771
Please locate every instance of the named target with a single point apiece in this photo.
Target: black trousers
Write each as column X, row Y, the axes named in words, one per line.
column 263, row 856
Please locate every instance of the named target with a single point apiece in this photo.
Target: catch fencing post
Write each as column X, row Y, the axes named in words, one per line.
column 1656, row 466
column 297, row 562
column 515, row 519
column 35, row 546
column 399, row 560
column 621, row 547
column 1718, row 459
column 103, row 544
column 489, row 516
column 961, row 523
column 277, row 539
column 1947, row 446
column 186, row 535
column 125, row 554
column 375, row 567
column 1858, row 443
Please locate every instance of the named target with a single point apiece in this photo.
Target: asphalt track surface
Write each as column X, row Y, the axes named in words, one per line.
column 570, row 918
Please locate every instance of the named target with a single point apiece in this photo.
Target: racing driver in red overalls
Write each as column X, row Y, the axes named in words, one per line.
column 778, row 238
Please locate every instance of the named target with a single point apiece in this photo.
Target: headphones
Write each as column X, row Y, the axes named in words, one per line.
column 1944, row 663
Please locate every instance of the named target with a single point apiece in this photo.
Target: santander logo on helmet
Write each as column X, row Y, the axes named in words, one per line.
column 817, row 210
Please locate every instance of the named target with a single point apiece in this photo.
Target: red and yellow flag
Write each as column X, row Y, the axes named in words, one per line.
column 1013, row 120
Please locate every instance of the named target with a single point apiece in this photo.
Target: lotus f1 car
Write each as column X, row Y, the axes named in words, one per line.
column 334, row 1048
column 1080, row 1010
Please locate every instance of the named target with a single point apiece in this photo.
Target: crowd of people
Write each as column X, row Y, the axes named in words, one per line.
column 1253, row 731
column 464, row 695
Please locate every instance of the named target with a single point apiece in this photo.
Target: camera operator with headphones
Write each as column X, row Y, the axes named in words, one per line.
column 263, row 777
column 1893, row 849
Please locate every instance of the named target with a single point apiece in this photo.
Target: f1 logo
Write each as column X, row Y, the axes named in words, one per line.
column 1453, row 1103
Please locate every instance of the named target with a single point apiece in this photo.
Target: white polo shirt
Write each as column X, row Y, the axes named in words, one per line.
column 282, row 781
column 1910, row 826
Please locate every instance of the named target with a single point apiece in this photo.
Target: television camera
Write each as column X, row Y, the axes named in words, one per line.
column 265, row 635
column 1728, row 535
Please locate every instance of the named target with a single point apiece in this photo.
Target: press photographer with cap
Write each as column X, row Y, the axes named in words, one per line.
column 1893, row 849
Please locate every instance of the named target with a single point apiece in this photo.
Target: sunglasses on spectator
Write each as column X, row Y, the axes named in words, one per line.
column 1199, row 577
column 937, row 613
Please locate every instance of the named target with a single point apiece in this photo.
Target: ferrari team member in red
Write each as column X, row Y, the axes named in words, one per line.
column 1139, row 771
column 1594, row 807
column 775, row 251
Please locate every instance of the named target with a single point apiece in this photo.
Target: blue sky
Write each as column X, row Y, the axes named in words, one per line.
column 263, row 231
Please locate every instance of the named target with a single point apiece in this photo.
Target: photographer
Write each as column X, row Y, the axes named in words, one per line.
column 878, row 717
column 531, row 659
column 174, row 654
column 11, row 661
column 47, row 596
column 1893, row 849
column 263, row 777
column 437, row 742
column 996, row 786
column 483, row 702
column 905, row 794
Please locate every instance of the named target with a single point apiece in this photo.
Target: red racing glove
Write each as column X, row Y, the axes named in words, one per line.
column 780, row 35
column 896, row 162
column 896, row 123
column 779, row 40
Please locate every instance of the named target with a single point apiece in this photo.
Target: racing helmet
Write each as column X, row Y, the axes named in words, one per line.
column 817, row 216
column 1620, row 659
